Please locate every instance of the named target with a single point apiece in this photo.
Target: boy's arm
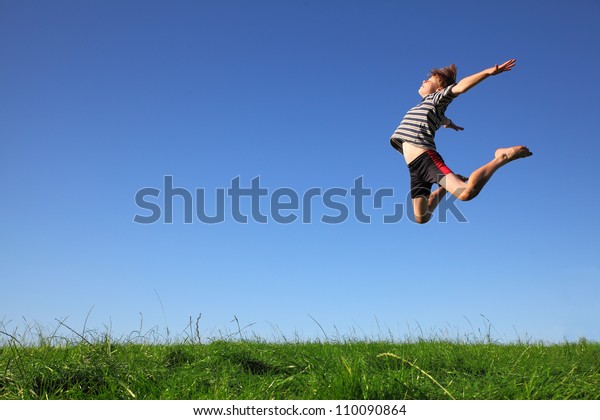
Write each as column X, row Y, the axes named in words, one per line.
column 473, row 80
column 447, row 123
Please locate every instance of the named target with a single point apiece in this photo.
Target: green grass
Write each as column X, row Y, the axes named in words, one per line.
column 83, row 368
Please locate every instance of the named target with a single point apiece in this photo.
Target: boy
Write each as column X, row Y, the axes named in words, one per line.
column 414, row 138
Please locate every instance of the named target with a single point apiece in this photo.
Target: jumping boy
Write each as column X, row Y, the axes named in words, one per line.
column 414, row 138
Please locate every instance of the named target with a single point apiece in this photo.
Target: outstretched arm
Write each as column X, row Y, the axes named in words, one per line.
column 473, row 80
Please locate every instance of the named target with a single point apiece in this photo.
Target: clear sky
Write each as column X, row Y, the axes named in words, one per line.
column 101, row 99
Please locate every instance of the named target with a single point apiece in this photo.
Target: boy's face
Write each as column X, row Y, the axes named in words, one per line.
column 429, row 86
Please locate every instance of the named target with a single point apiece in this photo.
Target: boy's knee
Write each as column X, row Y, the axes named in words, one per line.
column 468, row 194
column 422, row 219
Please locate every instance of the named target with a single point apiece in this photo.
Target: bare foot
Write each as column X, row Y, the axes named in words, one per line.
column 509, row 154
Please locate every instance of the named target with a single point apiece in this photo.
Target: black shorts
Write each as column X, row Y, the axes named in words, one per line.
column 427, row 169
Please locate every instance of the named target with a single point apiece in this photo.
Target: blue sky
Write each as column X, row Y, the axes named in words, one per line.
column 100, row 99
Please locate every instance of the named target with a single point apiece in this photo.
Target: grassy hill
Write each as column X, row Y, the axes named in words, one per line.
column 255, row 370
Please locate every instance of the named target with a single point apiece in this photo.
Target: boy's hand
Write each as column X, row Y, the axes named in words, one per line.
column 507, row 66
column 450, row 124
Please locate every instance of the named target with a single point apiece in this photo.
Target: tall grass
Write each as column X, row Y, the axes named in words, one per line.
column 96, row 366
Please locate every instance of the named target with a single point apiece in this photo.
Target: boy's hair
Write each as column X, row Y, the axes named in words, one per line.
column 445, row 75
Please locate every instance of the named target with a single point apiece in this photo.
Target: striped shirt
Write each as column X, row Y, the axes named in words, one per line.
column 422, row 121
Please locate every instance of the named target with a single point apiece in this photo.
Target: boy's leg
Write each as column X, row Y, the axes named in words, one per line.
column 421, row 209
column 468, row 190
column 423, row 206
